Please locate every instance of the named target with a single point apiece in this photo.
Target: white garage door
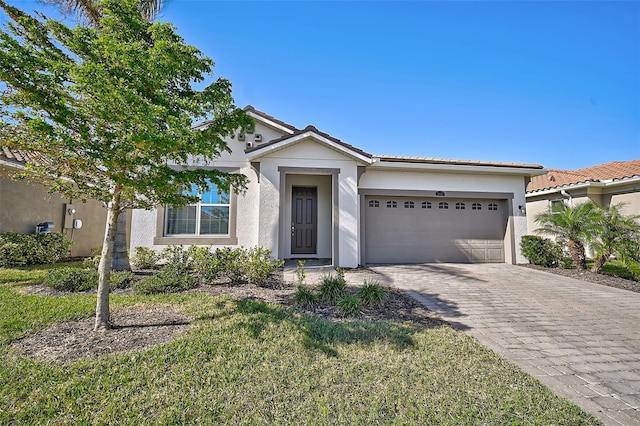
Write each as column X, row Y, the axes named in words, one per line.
column 417, row 230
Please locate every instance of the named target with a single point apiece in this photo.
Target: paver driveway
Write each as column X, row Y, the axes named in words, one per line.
column 580, row 339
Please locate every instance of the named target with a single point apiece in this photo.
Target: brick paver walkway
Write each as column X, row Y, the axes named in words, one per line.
column 580, row 339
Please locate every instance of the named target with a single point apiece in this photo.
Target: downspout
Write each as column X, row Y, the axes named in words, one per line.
column 566, row 194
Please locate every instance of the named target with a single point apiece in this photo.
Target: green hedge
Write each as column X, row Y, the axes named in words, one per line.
column 33, row 249
column 541, row 251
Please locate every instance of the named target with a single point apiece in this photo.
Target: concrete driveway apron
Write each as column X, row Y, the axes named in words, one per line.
column 582, row 340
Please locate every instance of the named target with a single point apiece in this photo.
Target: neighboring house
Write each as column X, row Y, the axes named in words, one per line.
column 604, row 184
column 23, row 205
column 313, row 196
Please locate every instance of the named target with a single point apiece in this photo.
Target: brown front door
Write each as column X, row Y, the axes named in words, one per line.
column 304, row 220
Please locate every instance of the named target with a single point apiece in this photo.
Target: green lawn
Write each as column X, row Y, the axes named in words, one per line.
column 247, row 362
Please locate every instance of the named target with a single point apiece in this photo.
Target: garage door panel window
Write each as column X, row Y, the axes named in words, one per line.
column 392, row 204
column 208, row 217
column 409, row 205
column 443, row 205
column 476, row 206
column 493, row 207
column 374, row 203
column 460, row 206
column 426, row 205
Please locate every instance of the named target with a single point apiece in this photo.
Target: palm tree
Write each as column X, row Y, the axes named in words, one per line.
column 619, row 235
column 89, row 10
column 574, row 225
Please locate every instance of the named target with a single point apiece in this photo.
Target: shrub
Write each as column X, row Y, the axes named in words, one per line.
column 371, row 293
column 94, row 260
column 259, row 265
column 232, row 263
column 121, row 279
column 305, row 297
column 177, row 258
column 53, row 247
column 165, row 281
column 145, row 258
column 31, row 249
column 542, row 251
column 72, row 279
column 332, row 288
column 350, row 305
column 205, row 263
column 11, row 254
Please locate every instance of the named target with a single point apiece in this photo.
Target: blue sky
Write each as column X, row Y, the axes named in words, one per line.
column 553, row 83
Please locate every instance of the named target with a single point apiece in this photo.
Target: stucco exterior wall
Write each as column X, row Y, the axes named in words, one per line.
column 631, row 200
column 23, row 205
column 311, row 156
column 533, row 209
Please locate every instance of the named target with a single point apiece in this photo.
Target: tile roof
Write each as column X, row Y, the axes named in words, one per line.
column 616, row 170
column 428, row 160
column 250, row 108
column 309, row 128
column 19, row 157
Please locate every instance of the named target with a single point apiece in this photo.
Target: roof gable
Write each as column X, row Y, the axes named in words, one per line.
column 309, row 132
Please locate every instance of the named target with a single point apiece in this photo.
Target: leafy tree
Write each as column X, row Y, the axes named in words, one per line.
column 619, row 235
column 111, row 111
column 575, row 226
column 89, row 11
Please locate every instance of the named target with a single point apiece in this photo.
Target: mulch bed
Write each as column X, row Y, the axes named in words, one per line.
column 137, row 327
column 602, row 279
column 141, row 327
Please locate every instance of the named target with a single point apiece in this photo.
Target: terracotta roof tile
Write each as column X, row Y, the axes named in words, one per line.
column 19, row 156
column 556, row 178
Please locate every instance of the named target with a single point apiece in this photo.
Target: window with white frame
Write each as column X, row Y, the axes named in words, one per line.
column 208, row 217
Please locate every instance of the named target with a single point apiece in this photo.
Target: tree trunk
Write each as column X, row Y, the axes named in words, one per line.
column 120, row 261
column 599, row 262
column 104, row 269
column 576, row 249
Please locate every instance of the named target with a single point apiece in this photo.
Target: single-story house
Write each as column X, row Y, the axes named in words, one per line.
column 314, row 196
column 24, row 205
column 605, row 184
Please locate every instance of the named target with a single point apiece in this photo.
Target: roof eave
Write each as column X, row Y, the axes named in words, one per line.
column 593, row 184
column 458, row 168
column 269, row 123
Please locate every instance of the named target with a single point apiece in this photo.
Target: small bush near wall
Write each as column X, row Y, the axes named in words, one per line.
column 260, row 264
column 33, row 249
column 167, row 281
column 145, row 258
column 542, row 251
column 121, row 279
column 72, row 279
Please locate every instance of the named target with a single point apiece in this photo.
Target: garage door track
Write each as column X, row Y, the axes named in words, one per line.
column 580, row 339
